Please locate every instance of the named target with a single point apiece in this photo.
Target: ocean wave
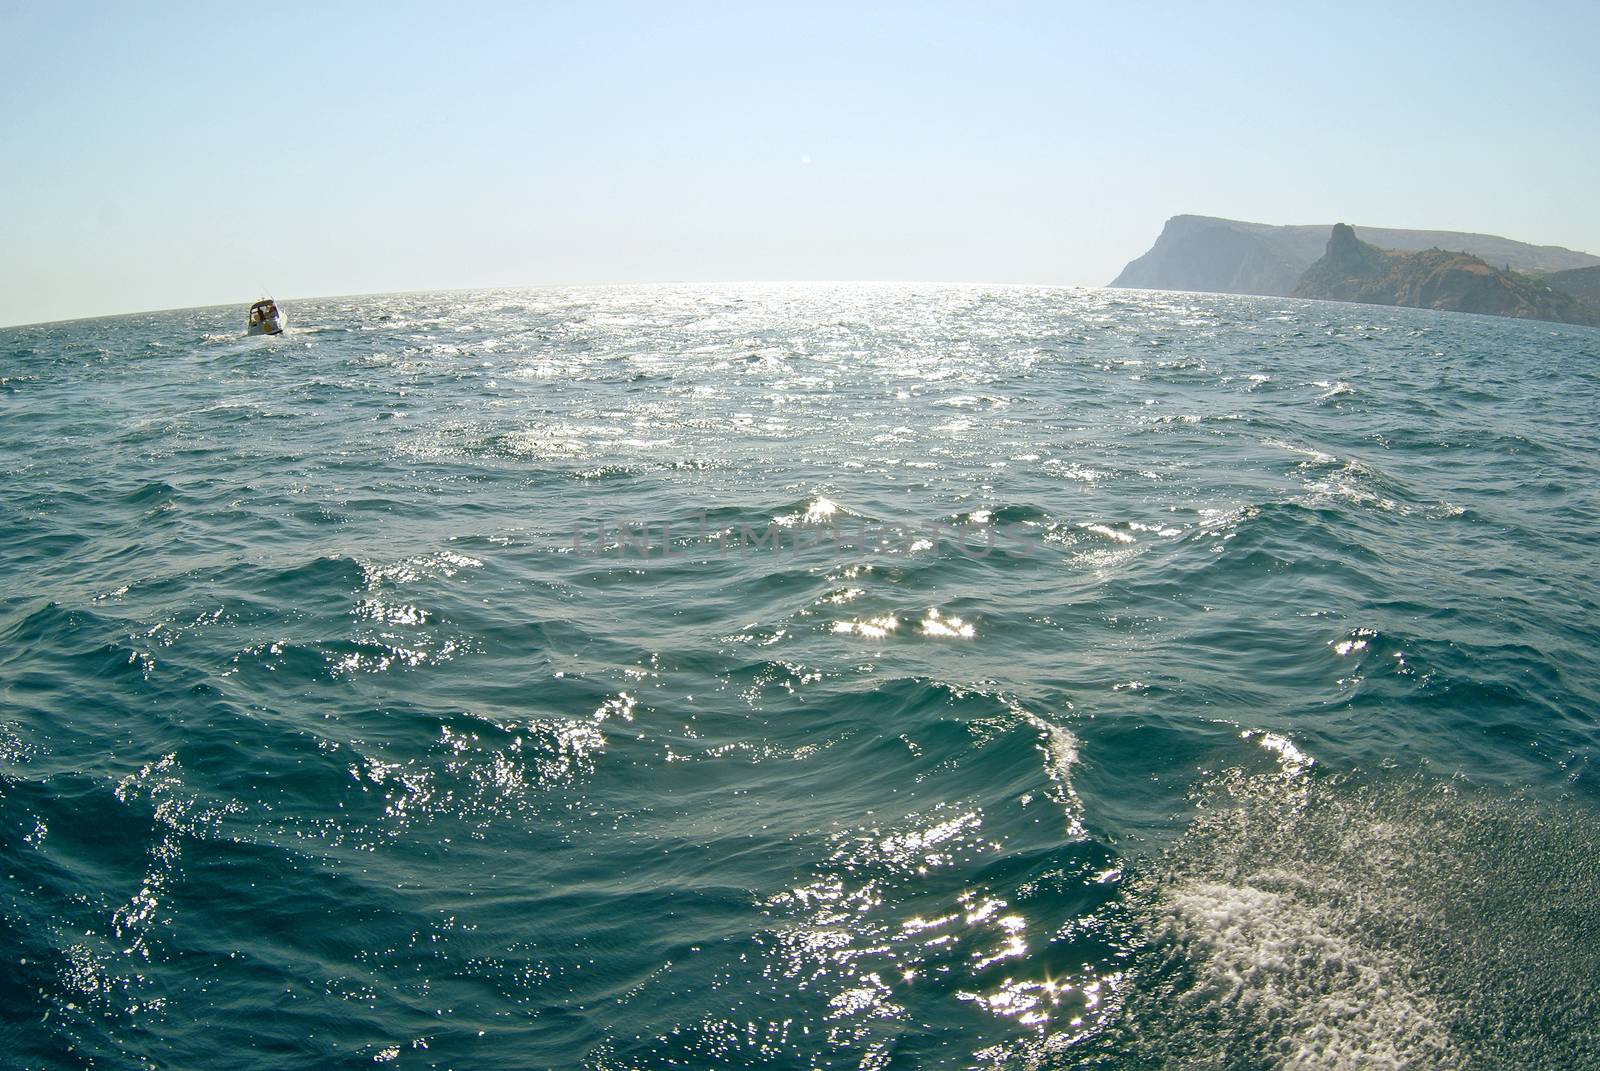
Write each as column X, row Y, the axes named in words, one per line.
column 621, row 677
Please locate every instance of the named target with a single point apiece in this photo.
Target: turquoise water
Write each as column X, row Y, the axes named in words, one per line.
column 796, row 677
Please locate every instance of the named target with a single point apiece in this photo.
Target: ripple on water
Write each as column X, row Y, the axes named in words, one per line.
column 323, row 736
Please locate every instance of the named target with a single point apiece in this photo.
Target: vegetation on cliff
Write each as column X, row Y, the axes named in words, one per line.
column 1581, row 283
column 1353, row 270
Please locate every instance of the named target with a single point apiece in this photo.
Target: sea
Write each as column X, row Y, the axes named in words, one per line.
column 800, row 676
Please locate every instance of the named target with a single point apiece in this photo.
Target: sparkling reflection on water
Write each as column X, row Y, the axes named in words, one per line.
column 800, row 676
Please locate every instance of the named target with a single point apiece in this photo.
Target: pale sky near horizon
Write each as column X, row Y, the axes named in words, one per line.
column 165, row 156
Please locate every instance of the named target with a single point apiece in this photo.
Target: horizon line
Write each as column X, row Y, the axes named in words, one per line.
column 574, row 286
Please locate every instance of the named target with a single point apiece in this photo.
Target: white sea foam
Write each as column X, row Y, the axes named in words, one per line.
column 1304, row 924
column 1297, row 971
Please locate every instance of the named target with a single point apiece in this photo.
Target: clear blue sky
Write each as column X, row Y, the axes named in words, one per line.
column 159, row 155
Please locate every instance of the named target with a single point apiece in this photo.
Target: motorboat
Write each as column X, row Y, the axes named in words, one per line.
column 266, row 318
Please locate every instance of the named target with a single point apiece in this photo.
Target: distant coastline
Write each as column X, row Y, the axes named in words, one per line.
column 1486, row 273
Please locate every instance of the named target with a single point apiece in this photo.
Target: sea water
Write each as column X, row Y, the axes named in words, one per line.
column 800, row 677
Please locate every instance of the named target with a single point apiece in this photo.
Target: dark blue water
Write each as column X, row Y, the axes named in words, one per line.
column 798, row 677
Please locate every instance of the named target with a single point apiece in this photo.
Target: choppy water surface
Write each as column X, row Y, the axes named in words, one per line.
column 1121, row 680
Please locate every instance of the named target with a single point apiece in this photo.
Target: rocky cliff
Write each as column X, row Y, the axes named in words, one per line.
column 1353, row 270
column 1199, row 253
column 1233, row 256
